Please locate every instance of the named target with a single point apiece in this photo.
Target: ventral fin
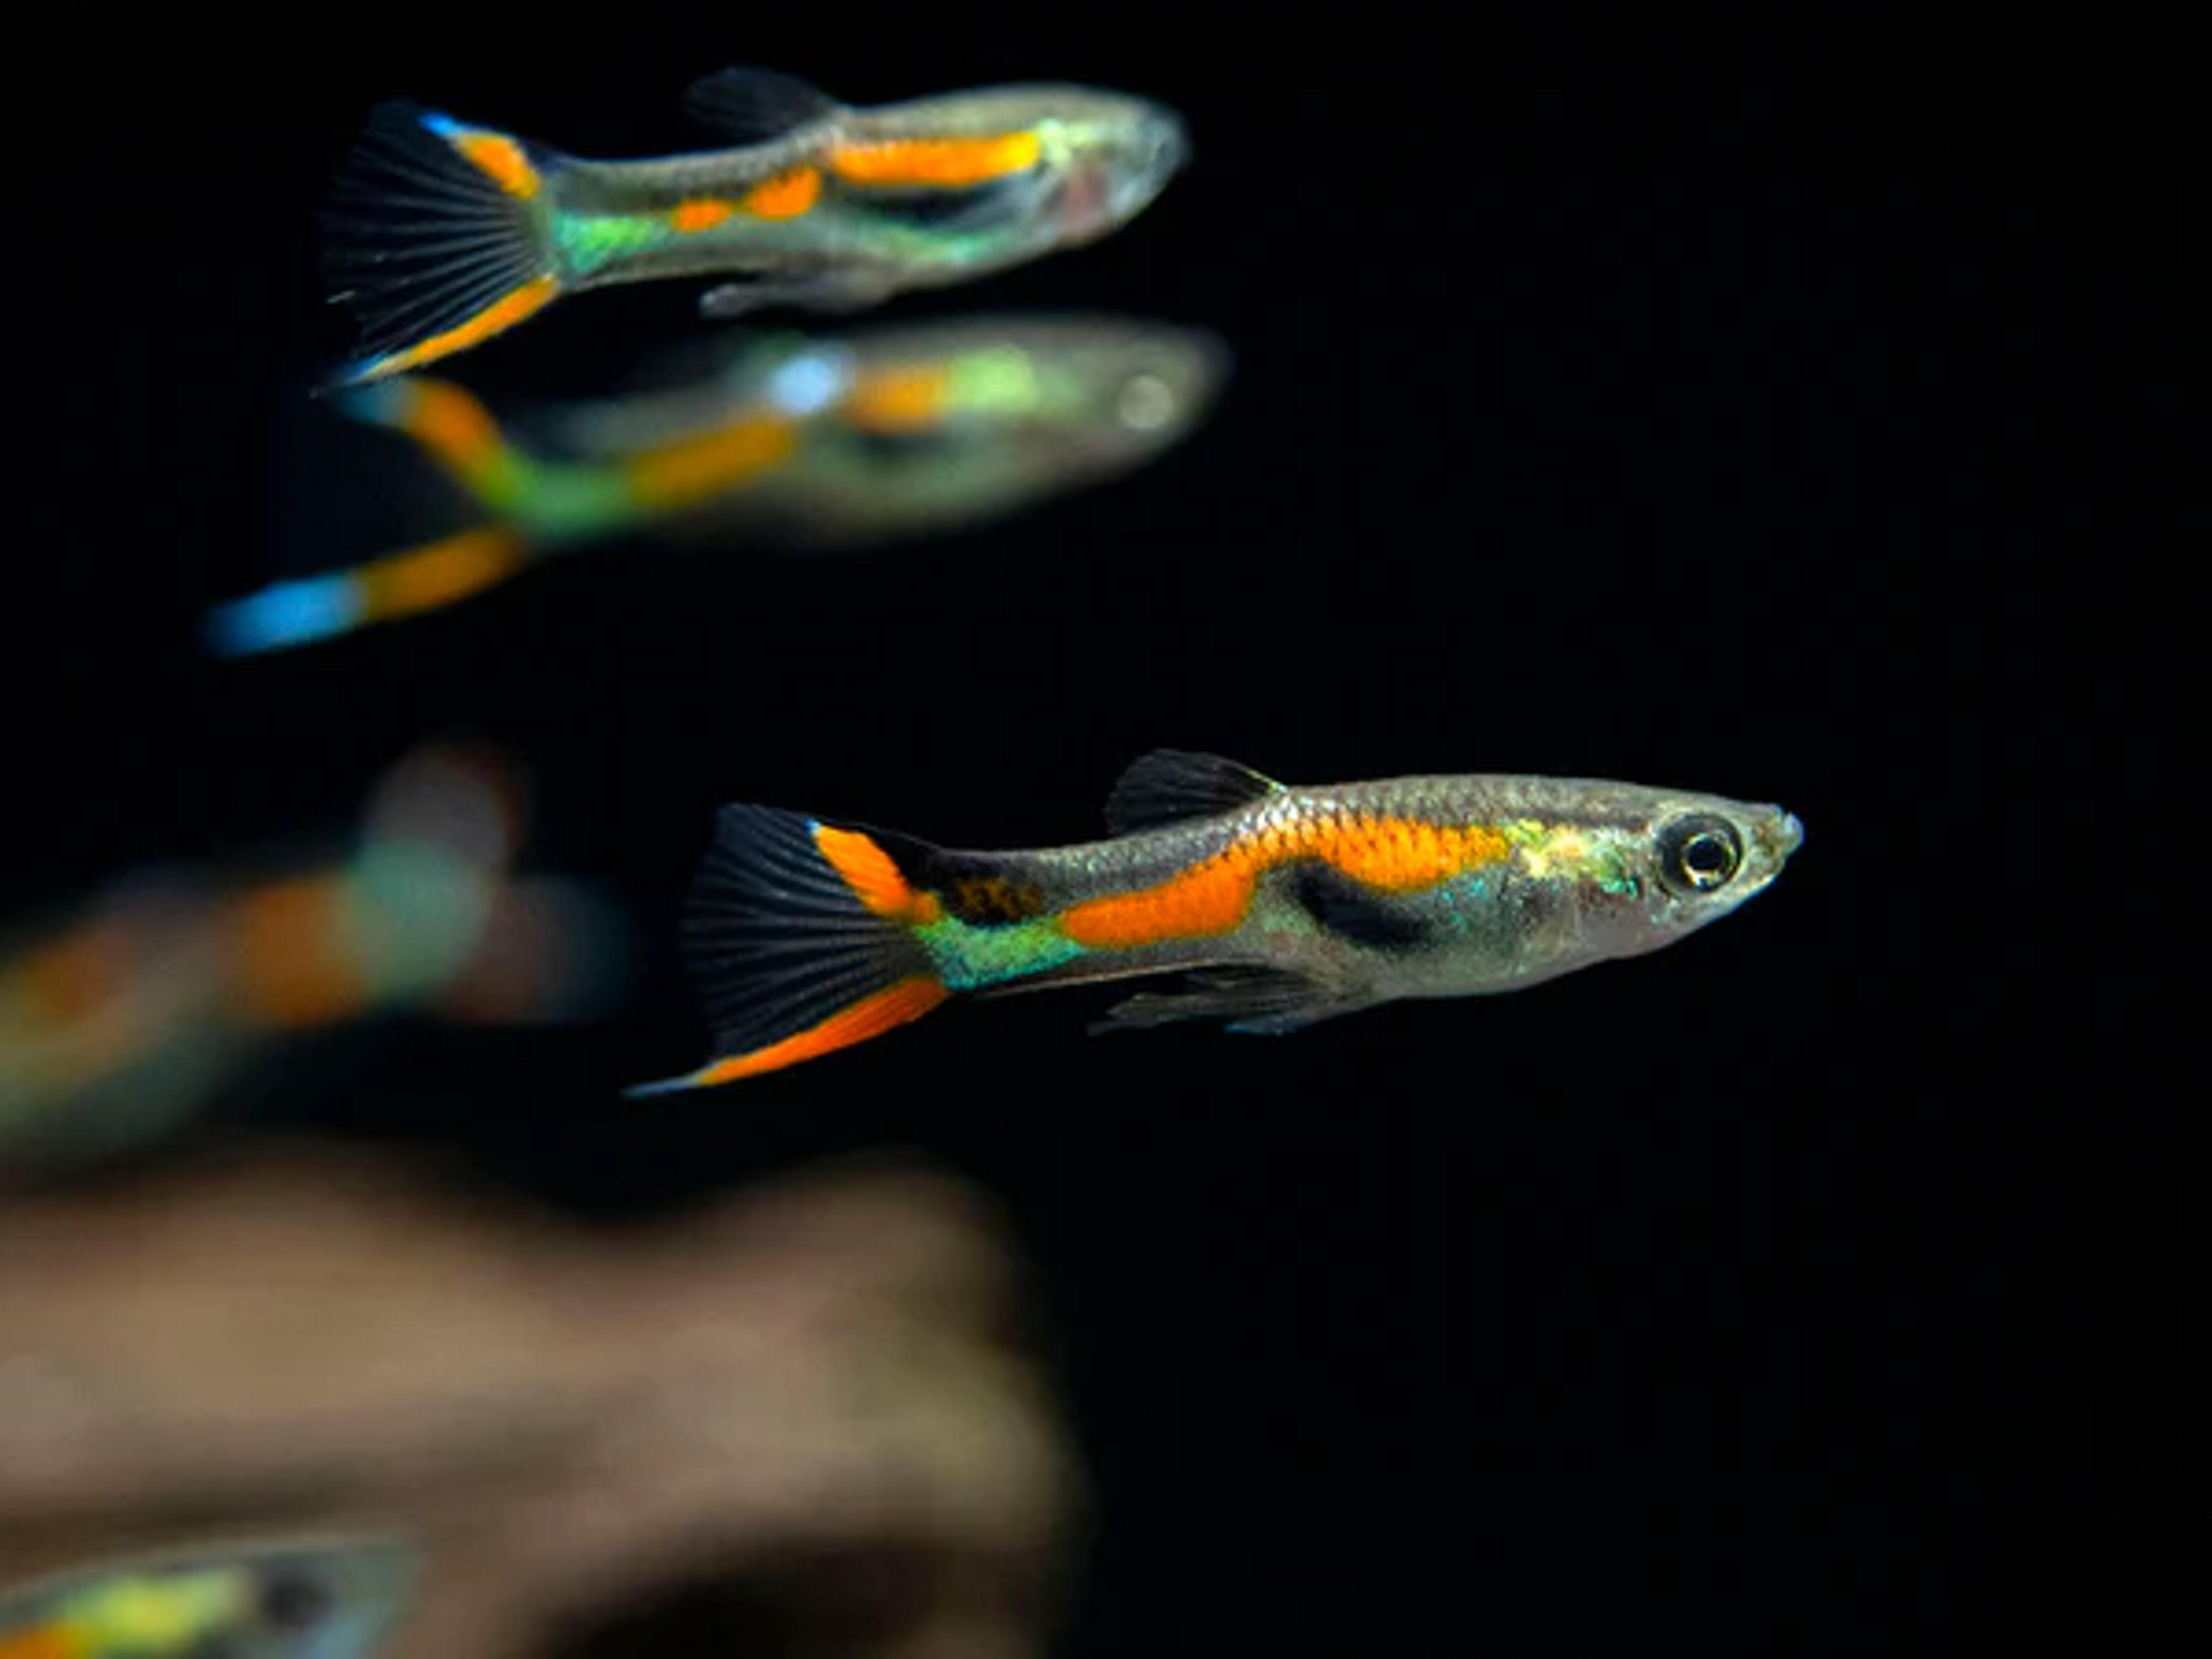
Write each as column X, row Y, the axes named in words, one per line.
column 1257, row 1000
column 754, row 104
column 1169, row 785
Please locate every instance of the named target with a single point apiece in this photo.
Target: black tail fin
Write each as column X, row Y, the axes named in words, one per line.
column 801, row 935
column 438, row 237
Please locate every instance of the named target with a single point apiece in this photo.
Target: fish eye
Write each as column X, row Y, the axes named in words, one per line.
column 1700, row 852
column 1145, row 403
column 293, row 1600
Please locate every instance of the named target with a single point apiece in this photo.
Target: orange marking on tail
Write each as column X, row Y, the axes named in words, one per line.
column 501, row 158
column 289, row 967
column 698, row 213
column 1392, row 854
column 426, row 578
column 871, row 1016
column 875, row 879
column 898, row 399
column 787, row 196
column 516, row 305
column 452, row 424
column 950, row 161
column 693, row 469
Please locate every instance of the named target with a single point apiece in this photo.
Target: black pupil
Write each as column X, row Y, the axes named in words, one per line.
column 1706, row 855
column 291, row 1602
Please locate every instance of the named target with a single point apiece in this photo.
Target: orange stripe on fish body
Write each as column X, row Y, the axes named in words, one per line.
column 47, row 1642
column 698, row 213
column 426, row 578
column 787, row 195
column 875, row 877
column 287, row 967
column 898, row 399
column 694, row 469
column 1399, row 855
column 517, row 305
column 498, row 157
column 941, row 161
column 1213, row 898
column 896, row 1005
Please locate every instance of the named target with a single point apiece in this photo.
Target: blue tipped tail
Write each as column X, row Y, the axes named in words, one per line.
column 286, row 614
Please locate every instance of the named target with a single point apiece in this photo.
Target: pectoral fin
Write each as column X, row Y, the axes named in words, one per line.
column 826, row 291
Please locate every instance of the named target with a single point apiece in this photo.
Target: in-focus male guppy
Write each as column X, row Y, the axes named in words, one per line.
column 292, row 1599
column 446, row 234
column 1287, row 905
column 800, row 441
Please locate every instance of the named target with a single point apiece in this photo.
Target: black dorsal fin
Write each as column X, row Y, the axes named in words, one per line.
column 1169, row 785
column 754, row 104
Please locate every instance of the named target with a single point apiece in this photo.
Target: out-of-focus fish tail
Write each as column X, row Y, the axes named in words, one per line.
column 455, row 430
column 803, row 937
column 334, row 602
column 438, row 235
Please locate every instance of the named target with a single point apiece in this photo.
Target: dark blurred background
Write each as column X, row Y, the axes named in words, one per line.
column 1747, row 412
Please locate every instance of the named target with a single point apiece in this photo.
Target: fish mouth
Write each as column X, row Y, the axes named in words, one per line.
column 1789, row 834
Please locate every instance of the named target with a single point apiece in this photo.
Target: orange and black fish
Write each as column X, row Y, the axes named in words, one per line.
column 1287, row 905
column 447, row 232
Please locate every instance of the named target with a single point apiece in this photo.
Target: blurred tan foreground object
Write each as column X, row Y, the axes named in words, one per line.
column 808, row 1391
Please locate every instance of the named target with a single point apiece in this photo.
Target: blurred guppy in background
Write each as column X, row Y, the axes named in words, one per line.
column 295, row 1600
column 791, row 1423
column 781, row 440
column 118, row 1025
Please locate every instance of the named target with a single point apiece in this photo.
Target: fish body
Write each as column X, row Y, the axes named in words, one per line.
column 814, row 443
column 126, row 1021
column 1286, row 905
column 448, row 233
column 296, row 1600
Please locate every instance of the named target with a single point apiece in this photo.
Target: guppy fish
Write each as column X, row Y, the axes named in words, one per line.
column 132, row 1017
column 830, row 442
column 297, row 1600
column 1290, row 904
column 446, row 234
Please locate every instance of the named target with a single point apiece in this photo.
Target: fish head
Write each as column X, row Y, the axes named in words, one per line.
column 1107, row 158
column 1101, row 393
column 337, row 1600
column 1691, row 859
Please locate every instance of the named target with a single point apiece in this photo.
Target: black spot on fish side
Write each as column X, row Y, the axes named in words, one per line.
column 1352, row 910
column 948, row 207
column 293, row 1601
column 992, row 900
